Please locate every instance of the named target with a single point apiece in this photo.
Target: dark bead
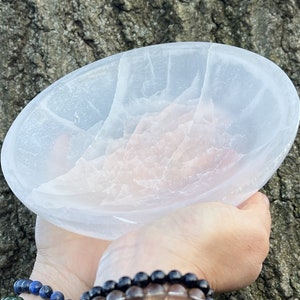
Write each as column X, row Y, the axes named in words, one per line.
column 96, row 291
column 158, row 276
column 210, row 293
column 57, row 296
column 85, row 296
column 203, row 285
column 141, row 279
column 108, row 286
column 45, row 292
column 25, row 285
column 35, row 287
column 174, row 277
column 189, row 280
column 124, row 283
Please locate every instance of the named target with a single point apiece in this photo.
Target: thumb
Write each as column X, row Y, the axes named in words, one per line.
column 255, row 201
column 258, row 205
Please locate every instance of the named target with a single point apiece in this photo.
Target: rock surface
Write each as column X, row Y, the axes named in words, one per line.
column 40, row 41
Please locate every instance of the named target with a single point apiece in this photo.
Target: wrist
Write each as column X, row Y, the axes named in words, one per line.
column 145, row 250
column 59, row 279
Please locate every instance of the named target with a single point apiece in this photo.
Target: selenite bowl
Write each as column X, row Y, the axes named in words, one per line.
column 129, row 138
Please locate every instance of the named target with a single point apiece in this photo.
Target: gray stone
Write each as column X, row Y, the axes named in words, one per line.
column 42, row 40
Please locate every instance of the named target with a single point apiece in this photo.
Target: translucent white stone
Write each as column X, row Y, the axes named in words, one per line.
column 196, row 294
column 129, row 138
column 115, row 295
column 134, row 292
column 99, row 298
column 177, row 290
column 154, row 289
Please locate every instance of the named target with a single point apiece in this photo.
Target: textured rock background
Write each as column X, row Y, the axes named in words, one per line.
column 42, row 40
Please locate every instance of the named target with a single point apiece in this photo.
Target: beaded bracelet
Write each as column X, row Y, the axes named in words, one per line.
column 142, row 285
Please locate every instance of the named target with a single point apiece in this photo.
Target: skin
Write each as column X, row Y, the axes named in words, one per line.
column 224, row 244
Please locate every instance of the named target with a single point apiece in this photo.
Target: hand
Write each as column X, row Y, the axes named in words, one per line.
column 66, row 261
column 221, row 243
column 224, row 244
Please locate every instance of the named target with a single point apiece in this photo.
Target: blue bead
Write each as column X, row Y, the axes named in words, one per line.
column 57, row 296
column 17, row 286
column 22, row 286
column 25, row 285
column 35, row 287
column 45, row 292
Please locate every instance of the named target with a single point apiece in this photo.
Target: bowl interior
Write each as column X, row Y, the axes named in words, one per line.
column 136, row 135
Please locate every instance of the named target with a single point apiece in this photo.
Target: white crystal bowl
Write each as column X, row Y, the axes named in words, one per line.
column 127, row 139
